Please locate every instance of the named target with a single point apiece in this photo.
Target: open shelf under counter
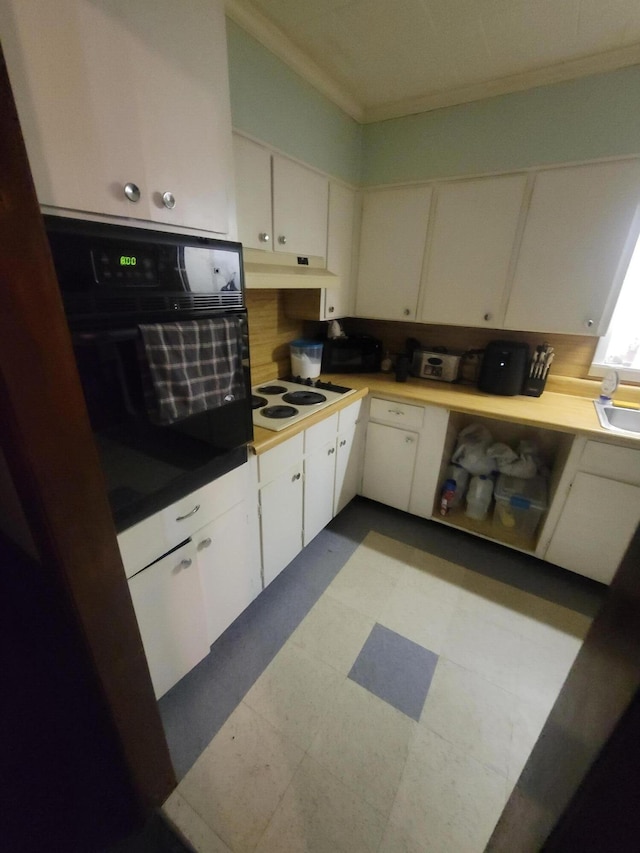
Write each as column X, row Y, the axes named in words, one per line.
column 456, row 517
column 554, row 447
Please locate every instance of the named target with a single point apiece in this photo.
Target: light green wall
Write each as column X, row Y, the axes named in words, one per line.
column 274, row 104
column 597, row 116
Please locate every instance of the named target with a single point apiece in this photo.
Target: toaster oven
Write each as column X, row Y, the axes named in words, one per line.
column 442, row 366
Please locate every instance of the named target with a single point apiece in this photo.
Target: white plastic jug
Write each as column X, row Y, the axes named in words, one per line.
column 479, row 496
column 306, row 359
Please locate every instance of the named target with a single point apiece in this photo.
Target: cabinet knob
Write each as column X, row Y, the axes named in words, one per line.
column 282, row 240
column 132, row 191
column 330, row 451
column 184, row 564
column 331, row 309
column 204, row 544
column 408, row 439
column 488, row 317
column 295, row 477
column 589, row 323
column 169, row 200
column 264, row 237
column 189, row 514
column 407, row 312
column 343, row 442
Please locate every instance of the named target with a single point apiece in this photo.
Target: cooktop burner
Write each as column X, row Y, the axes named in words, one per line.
column 272, row 389
column 279, row 412
column 258, row 402
column 304, row 398
column 282, row 402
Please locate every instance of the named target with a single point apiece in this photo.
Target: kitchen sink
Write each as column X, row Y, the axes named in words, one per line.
column 618, row 419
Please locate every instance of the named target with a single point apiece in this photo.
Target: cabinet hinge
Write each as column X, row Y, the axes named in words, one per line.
column 259, row 511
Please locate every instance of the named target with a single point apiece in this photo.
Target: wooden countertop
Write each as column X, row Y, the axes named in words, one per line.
column 562, row 412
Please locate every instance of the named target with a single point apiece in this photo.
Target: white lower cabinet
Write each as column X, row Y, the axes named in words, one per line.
column 321, row 475
column 403, row 454
column 281, row 521
column 185, row 599
column 600, row 513
column 389, row 460
column 167, row 598
column 229, row 570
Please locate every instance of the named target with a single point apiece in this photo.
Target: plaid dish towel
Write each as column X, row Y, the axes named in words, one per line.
column 190, row 367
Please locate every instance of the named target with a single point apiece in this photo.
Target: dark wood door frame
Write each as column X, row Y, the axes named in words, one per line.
column 53, row 461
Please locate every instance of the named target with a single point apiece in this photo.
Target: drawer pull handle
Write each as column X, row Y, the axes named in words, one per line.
column 204, row 544
column 331, row 450
column 184, row 564
column 189, row 514
column 295, row 477
column 343, row 442
column 395, row 412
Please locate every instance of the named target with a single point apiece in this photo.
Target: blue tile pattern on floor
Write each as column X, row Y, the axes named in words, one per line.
column 395, row 669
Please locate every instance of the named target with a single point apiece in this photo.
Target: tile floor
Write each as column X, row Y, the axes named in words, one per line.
column 396, row 708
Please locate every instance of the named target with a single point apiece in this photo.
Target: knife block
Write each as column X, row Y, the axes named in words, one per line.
column 533, row 387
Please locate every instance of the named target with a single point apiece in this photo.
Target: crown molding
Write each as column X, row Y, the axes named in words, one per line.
column 243, row 13
column 271, row 37
column 560, row 73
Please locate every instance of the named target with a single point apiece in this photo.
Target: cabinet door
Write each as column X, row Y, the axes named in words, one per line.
column 76, row 105
column 300, row 204
column 339, row 301
column 575, row 248
column 595, row 527
column 253, row 193
column 389, row 461
column 229, row 575
column 470, row 250
column 319, row 478
column 392, row 242
column 348, row 466
column 428, row 461
column 281, row 522
column 181, row 86
column 167, row 599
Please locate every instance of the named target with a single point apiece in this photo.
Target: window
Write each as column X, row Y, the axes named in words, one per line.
column 620, row 347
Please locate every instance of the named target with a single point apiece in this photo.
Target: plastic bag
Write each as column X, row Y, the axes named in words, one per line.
column 525, row 463
column 471, row 450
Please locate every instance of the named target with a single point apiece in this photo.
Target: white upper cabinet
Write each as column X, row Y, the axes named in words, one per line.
column 470, row 249
column 252, row 164
column 300, row 205
column 392, row 241
column 575, row 248
column 125, row 106
column 340, row 257
column 281, row 205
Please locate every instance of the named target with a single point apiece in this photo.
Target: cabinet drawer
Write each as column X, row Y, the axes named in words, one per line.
column 142, row 544
column 348, row 417
column 398, row 414
column 321, row 433
column 184, row 517
column 615, row 463
column 272, row 463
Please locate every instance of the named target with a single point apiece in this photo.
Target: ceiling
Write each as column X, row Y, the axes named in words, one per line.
column 380, row 59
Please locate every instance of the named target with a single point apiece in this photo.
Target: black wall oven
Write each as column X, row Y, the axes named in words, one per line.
column 160, row 334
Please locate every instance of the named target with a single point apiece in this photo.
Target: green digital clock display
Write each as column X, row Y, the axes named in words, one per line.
column 128, row 260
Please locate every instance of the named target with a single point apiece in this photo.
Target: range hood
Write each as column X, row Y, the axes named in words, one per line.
column 284, row 272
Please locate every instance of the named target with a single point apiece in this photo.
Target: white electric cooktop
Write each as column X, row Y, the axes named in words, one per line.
column 280, row 403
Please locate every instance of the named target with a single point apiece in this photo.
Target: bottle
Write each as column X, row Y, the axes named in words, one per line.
column 479, row 496
column 447, row 497
column 460, row 477
column 386, row 364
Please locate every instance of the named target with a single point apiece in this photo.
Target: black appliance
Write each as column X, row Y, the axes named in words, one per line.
column 118, row 282
column 351, row 354
column 504, row 367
